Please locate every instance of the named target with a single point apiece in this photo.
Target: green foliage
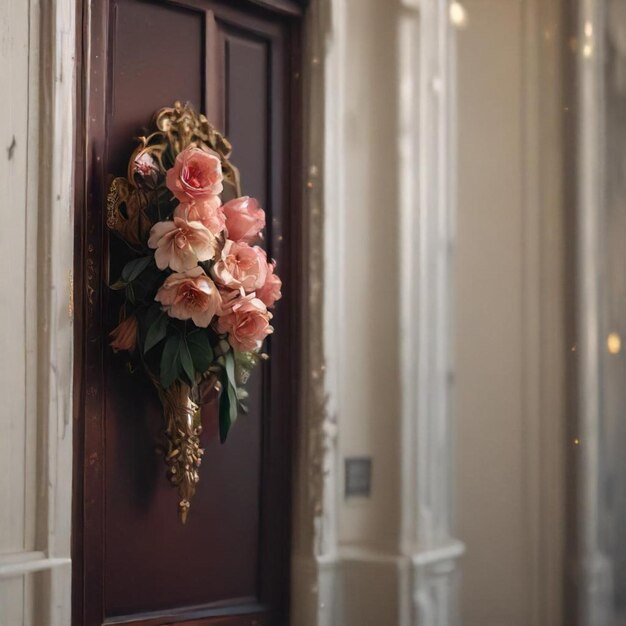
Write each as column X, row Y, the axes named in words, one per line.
column 185, row 360
column 200, row 349
column 156, row 332
column 186, row 354
column 229, row 366
column 162, row 205
column 133, row 268
column 228, row 406
column 170, row 361
column 231, row 400
column 130, row 273
column 130, row 293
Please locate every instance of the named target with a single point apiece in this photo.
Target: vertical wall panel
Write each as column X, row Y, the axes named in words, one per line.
column 37, row 59
column 510, row 312
column 12, row 602
column 490, row 328
column 14, row 181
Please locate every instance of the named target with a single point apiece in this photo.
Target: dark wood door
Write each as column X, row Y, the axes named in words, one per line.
column 133, row 561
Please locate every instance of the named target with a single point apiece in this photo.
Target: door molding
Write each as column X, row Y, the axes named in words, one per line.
column 315, row 555
column 272, row 23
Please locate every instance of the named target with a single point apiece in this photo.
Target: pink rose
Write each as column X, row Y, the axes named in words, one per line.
column 190, row 295
column 207, row 211
column 245, row 219
column 241, row 266
column 196, row 174
column 270, row 291
column 247, row 322
column 181, row 244
column 124, row 336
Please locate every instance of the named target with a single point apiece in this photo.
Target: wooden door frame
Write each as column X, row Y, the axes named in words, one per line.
column 88, row 516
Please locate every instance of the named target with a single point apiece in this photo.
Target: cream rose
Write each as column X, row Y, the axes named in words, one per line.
column 270, row 291
column 245, row 219
column 190, row 295
column 181, row 244
column 207, row 211
column 241, row 266
column 196, row 174
column 247, row 322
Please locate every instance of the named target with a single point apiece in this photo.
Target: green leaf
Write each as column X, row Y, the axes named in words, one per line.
column 156, row 332
column 232, row 401
column 133, row 268
column 150, row 279
column 151, row 314
column 224, row 410
column 229, row 365
column 228, row 408
column 170, row 361
column 187, row 363
column 117, row 285
column 130, row 294
column 200, row 349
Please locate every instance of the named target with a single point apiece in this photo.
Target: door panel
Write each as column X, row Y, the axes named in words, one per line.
column 235, row 61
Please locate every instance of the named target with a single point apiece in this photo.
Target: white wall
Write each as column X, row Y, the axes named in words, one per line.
column 36, row 162
column 370, row 411
column 509, row 305
column 377, row 376
column 18, row 339
column 398, row 168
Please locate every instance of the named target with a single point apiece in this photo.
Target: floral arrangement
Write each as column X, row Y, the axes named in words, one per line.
column 198, row 288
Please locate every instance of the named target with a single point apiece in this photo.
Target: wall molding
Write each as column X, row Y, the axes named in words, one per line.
column 315, row 558
column 49, row 343
column 56, row 227
column 444, row 554
column 13, row 566
column 593, row 566
column 422, row 572
column 427, row 135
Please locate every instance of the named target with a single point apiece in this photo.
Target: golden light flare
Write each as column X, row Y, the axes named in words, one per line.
column 458, row 14
column 614, row 343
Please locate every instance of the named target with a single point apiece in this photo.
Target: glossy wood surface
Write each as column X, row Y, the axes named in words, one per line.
column 133, row 560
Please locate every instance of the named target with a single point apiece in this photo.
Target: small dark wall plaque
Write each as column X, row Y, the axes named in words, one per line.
column 358, row 477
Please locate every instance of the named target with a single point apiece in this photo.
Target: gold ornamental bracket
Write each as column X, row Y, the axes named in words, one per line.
column 183, row 453
column 177, row 128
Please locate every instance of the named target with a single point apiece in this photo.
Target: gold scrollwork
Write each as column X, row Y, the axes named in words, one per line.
column 177, row 127
column 183, row 454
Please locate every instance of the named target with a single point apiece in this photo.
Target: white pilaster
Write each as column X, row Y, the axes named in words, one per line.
column 427, row 212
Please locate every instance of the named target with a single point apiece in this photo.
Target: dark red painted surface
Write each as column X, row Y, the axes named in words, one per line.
column 237, row 62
